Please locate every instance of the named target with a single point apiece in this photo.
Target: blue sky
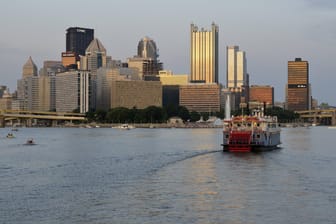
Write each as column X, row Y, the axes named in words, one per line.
column 271, row 32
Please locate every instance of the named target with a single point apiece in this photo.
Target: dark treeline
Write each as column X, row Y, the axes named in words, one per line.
column 153, row 114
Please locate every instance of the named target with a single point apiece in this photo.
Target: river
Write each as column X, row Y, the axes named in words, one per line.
column 105, row 175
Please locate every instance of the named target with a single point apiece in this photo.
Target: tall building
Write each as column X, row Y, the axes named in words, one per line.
column 29, row 68
column 236, row 70
column 27, row 87
column 147, row 49
column 73, row 91
column 95, row 56
column 78, row 39
column 237, row 79
column 298, row 87
column 204, row 54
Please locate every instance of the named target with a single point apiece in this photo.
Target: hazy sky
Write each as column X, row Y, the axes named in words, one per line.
column 271, row 32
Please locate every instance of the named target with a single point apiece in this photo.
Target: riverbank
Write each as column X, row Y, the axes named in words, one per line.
column 146, row 125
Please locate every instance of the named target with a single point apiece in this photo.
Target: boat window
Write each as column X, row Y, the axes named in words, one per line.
column 258, row 136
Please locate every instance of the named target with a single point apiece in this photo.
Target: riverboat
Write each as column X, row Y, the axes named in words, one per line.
column 251, row 133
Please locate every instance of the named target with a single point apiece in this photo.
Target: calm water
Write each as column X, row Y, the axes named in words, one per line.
column 165, row 176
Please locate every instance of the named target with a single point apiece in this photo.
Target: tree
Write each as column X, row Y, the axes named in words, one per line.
column 194, row 116
column 183, row 113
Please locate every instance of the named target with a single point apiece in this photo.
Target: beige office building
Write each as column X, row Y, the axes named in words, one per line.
column 200, row 97
column 204, row 54
column 139, row 94
column 105, row 78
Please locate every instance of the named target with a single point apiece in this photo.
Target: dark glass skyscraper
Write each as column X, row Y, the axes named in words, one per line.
column 78, row 39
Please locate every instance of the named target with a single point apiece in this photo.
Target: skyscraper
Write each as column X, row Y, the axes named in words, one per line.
column 78, row 39
column 236, row 74
column 298, row 88
column 95, row 56
column 204, row 54
column 147, row 49
column 237, row 79
column 29, row 68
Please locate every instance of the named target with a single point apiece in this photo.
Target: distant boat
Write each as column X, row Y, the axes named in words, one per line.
column 125, row 127
column 30, row 141
column 10, row 135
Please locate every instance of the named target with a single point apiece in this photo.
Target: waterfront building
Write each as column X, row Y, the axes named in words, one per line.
column 136, row 93
column 260, row 94
column 105, row 78
column 73, row 91
column 298, row 91
column 204, row 54
column 200, row 97
column 78, row 39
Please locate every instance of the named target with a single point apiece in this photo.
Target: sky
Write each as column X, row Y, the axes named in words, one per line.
column 271, row 32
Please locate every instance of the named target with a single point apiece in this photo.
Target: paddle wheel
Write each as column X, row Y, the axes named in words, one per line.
column 240, row 141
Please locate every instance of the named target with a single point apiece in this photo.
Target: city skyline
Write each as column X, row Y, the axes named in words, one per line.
column 269, row 36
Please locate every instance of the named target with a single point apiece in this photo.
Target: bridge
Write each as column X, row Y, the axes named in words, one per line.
column 319, row 116
column 26, row 117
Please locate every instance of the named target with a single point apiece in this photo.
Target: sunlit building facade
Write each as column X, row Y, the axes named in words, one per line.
column 260, row 95
column 204, row 54
column 298, row 95
column 200, row 97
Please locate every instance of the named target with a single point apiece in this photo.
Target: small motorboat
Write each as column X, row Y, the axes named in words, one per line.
column 30, row 141
column 10, row 135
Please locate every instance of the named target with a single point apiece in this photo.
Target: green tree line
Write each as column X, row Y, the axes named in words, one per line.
column 153, row 114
